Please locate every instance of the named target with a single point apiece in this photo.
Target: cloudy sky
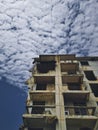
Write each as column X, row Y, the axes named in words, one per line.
column 32, row 27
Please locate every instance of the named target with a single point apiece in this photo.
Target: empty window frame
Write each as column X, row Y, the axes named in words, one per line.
column 94, row 88
column 79, row 110
column 90, row 75
column 84, row 63
column 44, row 67
column 74, row 86
column 38, row 109
column 41, row 87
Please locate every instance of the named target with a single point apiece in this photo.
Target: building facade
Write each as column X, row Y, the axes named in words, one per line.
column 63, row 94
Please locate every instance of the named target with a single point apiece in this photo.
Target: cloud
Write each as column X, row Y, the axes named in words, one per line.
column 29, row 28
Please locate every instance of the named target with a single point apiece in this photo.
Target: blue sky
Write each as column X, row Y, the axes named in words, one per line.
column 12, row 106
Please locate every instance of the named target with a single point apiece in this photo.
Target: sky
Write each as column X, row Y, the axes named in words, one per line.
column 12, row 106
column 29, row 28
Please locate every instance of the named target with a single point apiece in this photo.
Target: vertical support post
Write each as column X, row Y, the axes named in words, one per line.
column 61, row 124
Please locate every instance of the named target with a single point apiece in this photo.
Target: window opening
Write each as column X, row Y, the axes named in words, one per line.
column 85, row 63
column 41, row 87
column 79, row 110
column 38, row 109
column 94, row 88
column 74, row 86
column 44, row 67
column 90, row 75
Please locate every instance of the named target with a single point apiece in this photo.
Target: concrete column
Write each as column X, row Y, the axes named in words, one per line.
column 61, row 124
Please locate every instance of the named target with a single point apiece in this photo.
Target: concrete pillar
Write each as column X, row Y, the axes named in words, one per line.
column 61, row 124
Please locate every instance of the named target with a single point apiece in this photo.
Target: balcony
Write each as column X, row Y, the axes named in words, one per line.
column 80, row 110
column 52, row 57
column 76, row 95
column 44, row 67
column 72, row 78
column 69, row 67
column 40, row 108
column 45, row 79
column 81, row 122
column 42, row 95
column 38, row 120
column 42, row 87
column 73, row 86
column 39, row 113
column 67, row 57
column 80, row 116
column 45, row 58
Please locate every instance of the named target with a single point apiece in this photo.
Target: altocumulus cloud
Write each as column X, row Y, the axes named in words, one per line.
column 32, row 27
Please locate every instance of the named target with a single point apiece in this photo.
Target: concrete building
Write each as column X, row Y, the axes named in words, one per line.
column 63, row 94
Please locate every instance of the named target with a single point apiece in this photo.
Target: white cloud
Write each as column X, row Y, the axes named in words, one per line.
column 32, row 27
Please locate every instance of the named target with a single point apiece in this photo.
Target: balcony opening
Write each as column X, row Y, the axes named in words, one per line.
column 44, row 67
column 41, row 87
column 44, row 79
column 71, row 68
column 79, row 108
column 74, row 86
column 90, row 75
column 85, row 63
column 78, row 79
column 94, row 88
column 37, row 109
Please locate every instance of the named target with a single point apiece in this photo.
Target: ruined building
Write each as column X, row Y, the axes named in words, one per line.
column 63, row 94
